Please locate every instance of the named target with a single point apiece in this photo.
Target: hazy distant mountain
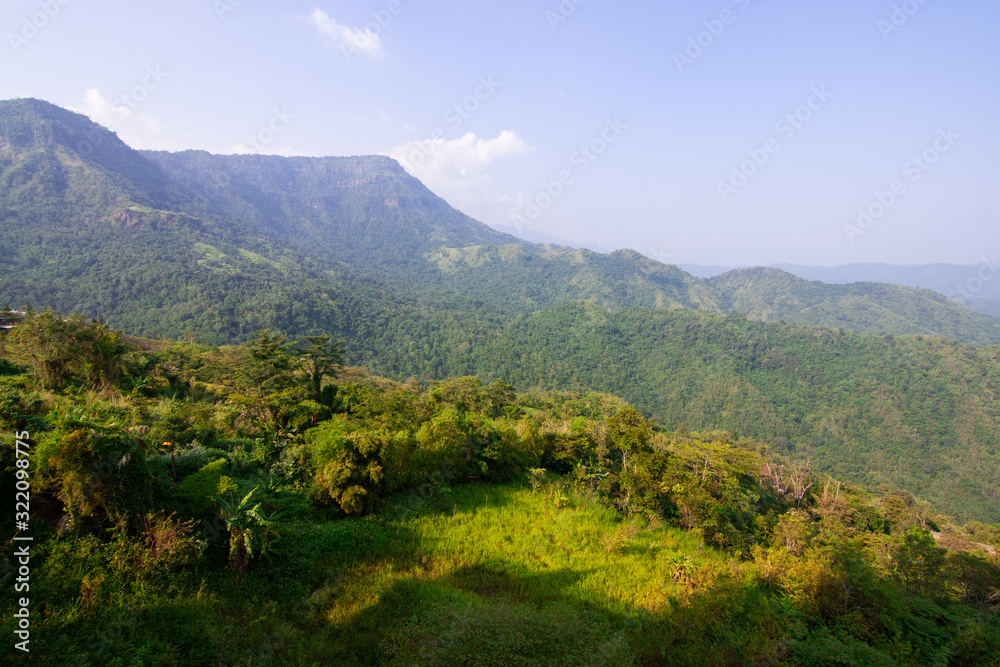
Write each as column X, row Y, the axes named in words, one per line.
column 974, row 286
column 953, row 280
column 949, row 279
column 90, row 224
column 707, row 270
column 770, row 294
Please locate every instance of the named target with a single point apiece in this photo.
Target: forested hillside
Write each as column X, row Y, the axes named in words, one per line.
column 363, row 211
column 771, row 295
column 318, row 245
column 917, row 412
column 262, row 504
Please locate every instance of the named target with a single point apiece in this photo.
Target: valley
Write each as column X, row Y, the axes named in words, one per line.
column 519, row 450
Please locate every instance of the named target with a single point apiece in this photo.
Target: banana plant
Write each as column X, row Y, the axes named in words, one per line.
column 251, row 532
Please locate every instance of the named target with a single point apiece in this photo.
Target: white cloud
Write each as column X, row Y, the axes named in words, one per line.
column 113, row 115
column 459, row 170
column 349, row 40
column 135, row 129
column 457, row 163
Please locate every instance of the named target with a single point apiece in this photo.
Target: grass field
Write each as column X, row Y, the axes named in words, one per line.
column 486, row 575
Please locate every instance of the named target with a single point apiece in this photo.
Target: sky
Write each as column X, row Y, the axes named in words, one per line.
column 725, row 132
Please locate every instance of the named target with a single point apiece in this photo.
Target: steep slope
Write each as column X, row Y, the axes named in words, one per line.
column 47, row 151
column 365, row 211
column 88, row 224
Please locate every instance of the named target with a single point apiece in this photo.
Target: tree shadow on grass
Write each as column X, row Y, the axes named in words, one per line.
column 462, row 498
column 485, row 615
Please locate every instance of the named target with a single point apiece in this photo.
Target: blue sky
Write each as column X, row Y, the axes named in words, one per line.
column 717, row 132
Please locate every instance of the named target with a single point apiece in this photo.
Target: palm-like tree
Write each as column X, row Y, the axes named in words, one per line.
column 251, row 532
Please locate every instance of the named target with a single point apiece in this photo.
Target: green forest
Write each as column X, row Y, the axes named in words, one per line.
column 193, row 246
column 263, row 503
column 268, row 410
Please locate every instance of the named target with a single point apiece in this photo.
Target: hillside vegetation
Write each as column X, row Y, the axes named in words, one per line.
column 914, row 412
column 212, row 248
column 261, row 504
column 75, row 200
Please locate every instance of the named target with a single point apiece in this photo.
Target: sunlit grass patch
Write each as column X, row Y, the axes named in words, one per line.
column 587, row 554
column 497, row 552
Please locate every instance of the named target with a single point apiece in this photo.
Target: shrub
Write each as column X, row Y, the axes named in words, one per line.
column 199, row 489
column 349, row 464
column 823, row 649
column 15, row 406
column 974, row 579
column 96, row 476
column 251, row 532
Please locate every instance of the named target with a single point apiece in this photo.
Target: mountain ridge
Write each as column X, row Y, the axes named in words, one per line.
column 77, row 233
column 365, row 218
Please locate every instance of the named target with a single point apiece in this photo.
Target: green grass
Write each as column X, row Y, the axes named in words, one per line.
column 258, row 259
column 505, row 547
column 210, row 253
column 502, row 563
column 580, row 552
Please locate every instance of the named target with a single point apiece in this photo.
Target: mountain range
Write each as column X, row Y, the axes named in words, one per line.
column 361, row 218
column 218, row 246
column 974, row 286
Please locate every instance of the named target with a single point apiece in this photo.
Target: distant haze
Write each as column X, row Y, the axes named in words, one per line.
column 959, row 282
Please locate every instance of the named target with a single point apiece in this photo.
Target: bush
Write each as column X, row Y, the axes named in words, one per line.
column 823, row 649
column 349, row 465
column 97, row 476
column 187, row 460
column 199, row 489
column 974, row 579
column 15, row 406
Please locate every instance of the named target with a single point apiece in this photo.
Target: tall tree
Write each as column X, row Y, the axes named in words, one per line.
column 268, row 367
column 322, row 358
